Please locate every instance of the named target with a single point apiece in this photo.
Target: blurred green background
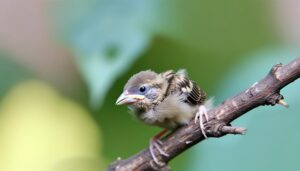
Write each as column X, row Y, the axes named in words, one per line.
column 63, row 64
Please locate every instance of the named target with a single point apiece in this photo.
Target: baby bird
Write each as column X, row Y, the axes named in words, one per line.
column 168, row 100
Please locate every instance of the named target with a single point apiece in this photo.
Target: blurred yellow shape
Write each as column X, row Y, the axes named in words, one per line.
column 41, row 130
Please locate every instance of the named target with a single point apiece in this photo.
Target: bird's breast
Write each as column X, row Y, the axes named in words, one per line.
column 168, row 115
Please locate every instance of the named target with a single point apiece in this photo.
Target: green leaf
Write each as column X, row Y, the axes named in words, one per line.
column 106, row 37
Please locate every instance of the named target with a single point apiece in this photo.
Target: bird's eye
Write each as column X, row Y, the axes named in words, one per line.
column 142, row 89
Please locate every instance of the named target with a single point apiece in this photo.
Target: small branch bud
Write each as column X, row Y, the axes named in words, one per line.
column 283, row 103
column 233, row 130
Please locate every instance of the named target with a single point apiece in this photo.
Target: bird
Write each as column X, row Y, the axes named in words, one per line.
column 167, row 100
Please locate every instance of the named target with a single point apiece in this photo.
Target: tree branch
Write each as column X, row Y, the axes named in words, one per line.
column 264, row 92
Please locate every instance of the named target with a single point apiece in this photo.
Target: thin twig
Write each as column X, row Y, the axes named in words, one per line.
column 264, row 92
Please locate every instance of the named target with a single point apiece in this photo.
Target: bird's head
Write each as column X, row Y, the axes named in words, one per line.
column 143, row 90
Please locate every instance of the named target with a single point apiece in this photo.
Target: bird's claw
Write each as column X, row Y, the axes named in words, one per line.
column 156, row 143
column 202, row 112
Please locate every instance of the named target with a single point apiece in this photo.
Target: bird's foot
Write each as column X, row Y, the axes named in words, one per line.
column 156, row 144
column 200, row 115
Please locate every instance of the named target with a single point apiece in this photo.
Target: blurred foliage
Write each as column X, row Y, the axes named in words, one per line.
column 271, row 142
column 113, row 39
column 106, row 37
column 41, row 130
column 10, row 73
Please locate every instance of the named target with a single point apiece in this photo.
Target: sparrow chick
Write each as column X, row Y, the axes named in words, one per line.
column 168, row 100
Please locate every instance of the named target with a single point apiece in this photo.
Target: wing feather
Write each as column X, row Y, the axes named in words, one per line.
column 179, row 82
column 194, row 95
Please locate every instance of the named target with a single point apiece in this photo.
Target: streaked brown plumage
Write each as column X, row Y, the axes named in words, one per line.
column 172, row 98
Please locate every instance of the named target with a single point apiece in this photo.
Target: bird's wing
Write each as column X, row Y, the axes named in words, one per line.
column 180, row 83
column 193, row 95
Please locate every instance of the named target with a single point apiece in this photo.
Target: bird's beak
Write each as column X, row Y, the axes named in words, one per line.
column 126, row 98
